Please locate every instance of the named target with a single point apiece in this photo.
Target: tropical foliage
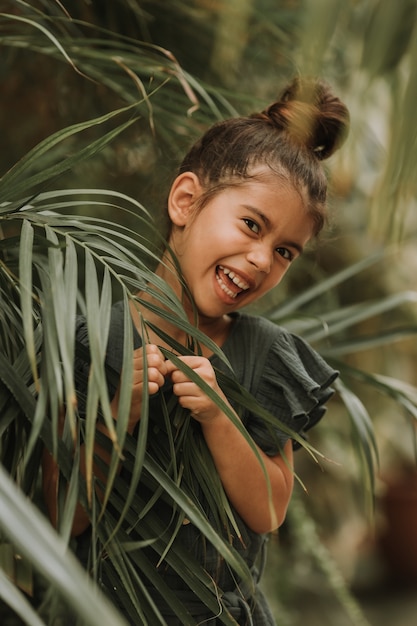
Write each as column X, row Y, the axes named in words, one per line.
column 67, row 248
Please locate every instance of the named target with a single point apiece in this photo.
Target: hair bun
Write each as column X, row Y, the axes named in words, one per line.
column 312, row 115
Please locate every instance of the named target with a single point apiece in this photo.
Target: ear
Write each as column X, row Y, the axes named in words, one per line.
column 185, row 191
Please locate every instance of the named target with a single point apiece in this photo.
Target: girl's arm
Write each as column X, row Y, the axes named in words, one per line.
column 243, row 477
column 240, row 471
column 156, row 367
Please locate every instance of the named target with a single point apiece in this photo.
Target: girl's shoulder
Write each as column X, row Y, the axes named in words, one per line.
column 260, row 338
column 274, row 352
column 255, row 327
column 282, row 371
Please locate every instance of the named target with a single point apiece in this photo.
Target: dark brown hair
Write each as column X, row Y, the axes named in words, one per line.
column 291, row 137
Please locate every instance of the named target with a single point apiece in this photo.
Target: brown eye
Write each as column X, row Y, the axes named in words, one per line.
column 253, row 226
column 285, row 253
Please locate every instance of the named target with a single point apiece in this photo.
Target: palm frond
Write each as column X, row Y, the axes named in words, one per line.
column 35, row 539
column 17, row 601
column 20, row 179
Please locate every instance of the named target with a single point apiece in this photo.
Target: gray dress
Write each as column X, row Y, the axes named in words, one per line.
column 289, row 379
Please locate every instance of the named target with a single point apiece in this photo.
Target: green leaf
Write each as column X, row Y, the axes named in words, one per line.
column 26, row 293
column 14, row 598
column 19, row 179
column 23, row 524
column 363, row 438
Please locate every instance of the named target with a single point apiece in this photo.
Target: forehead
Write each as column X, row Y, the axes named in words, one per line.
column 284, row 183
column 278, row 178
column 261, row 187
column 272, row 187
column 278, row 204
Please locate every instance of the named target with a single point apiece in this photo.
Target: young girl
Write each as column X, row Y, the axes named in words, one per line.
column 248, row 197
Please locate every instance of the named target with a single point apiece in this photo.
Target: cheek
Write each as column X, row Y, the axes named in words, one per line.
column 276, row 275
column 183, row 242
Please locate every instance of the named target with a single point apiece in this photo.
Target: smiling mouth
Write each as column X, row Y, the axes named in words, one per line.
column 232, row 284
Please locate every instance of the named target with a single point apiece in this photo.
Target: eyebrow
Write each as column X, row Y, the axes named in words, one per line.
column 267, row 223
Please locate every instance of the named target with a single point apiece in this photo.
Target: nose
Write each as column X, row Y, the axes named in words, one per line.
column 260, row 256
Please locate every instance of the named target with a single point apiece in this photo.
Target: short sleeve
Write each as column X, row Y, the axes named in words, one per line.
column 294, row 385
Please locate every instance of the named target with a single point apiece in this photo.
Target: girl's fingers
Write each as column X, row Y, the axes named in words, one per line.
column 155, row 368
column 200, row 365
column 170, row 367
column 154, row 358
column 186, row 388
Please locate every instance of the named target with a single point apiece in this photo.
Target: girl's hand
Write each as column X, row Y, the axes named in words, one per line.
column 260, row 500
column 156, row 372
column 190, row 395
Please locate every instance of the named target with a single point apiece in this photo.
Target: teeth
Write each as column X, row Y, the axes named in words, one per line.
column 241, row 284
column 225, row 288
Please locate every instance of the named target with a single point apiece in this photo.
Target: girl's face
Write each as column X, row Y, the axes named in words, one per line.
column 240, row 244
